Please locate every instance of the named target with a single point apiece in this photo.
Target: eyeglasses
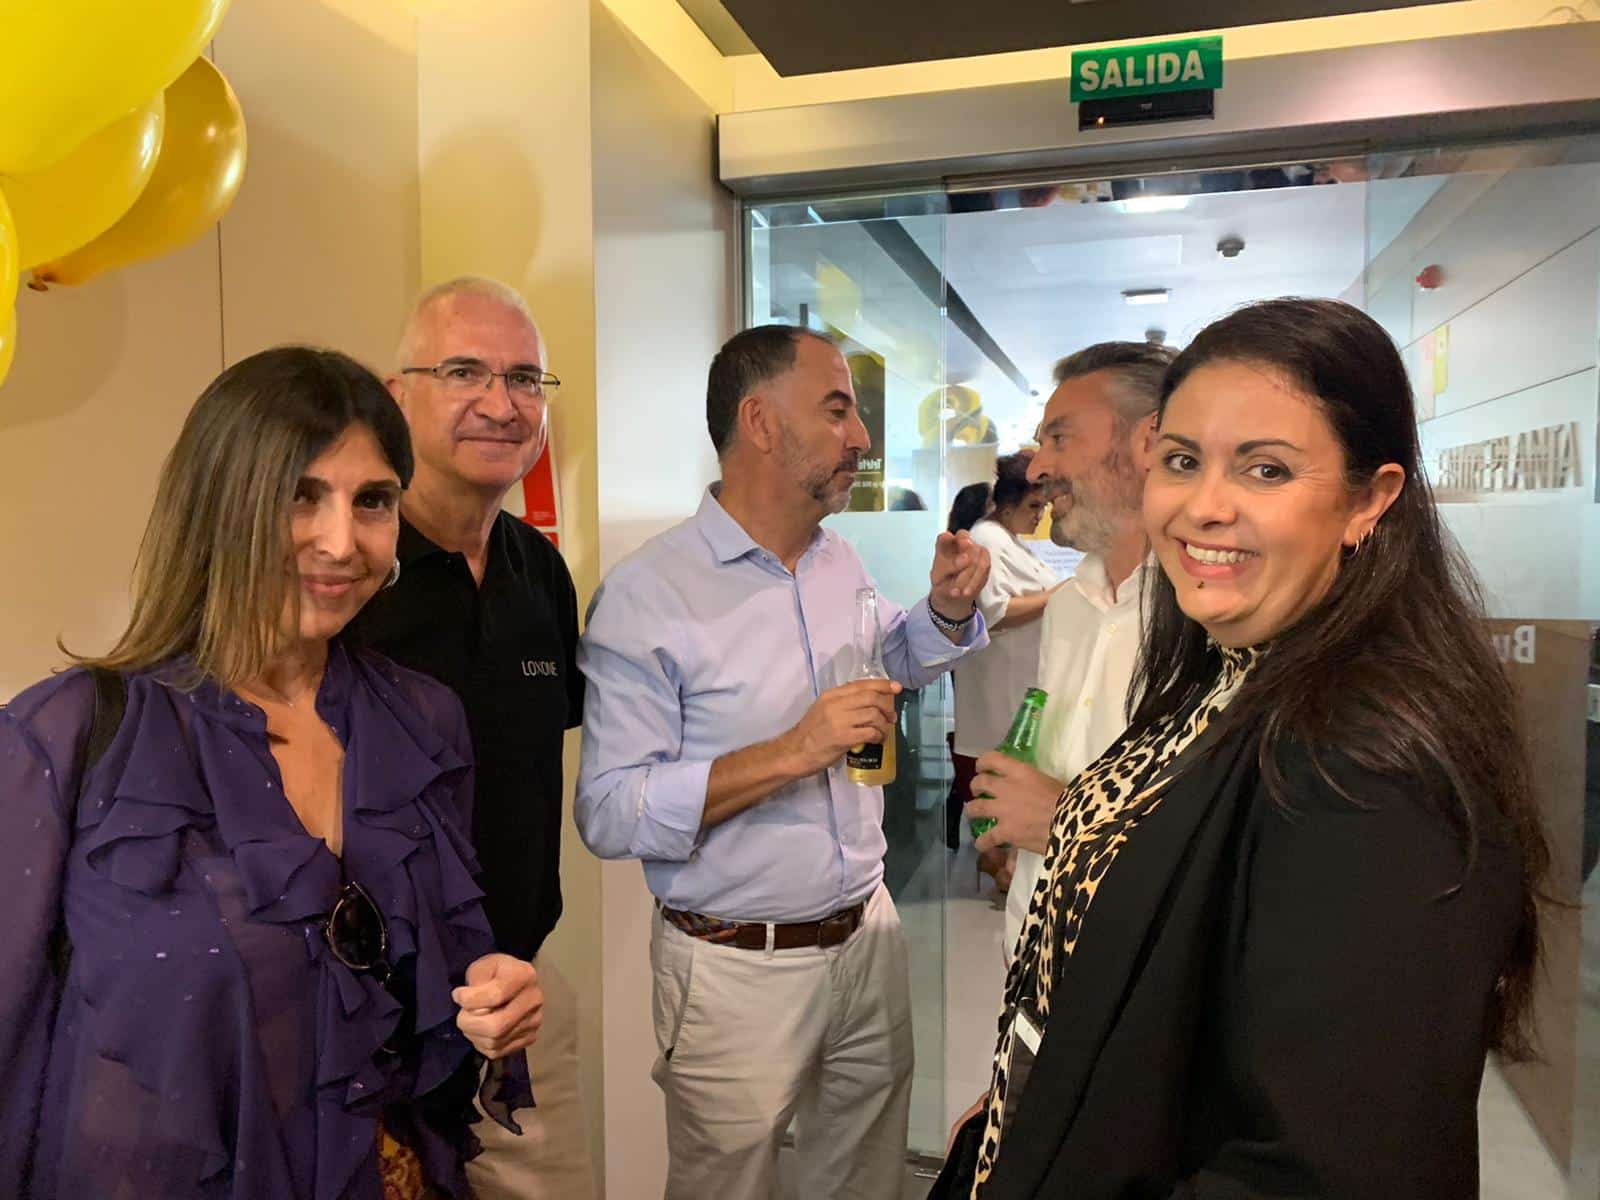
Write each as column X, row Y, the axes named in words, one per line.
column 356, row 933
column 465, row 376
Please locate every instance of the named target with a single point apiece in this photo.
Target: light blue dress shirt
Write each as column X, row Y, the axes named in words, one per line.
column 702, row 643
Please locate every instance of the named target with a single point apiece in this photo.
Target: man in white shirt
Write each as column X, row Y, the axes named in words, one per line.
column 1092, row 450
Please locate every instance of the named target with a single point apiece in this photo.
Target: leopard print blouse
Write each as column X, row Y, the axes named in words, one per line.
column 1095, row 815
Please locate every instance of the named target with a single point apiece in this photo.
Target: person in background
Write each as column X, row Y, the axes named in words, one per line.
column 720, row 658
column 1091, row 454
column 485, row 605
column 1284, row 917
column 990, row 685
column 245, row 954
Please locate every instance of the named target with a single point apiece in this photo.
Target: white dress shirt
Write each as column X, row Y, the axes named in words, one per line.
column 1089, row 646
column 990, row 683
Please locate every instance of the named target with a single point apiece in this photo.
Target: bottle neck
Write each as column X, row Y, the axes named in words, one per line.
column 868, row 639
column 1023, row 735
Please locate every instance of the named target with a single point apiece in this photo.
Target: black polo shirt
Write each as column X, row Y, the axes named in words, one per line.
column 508, row 649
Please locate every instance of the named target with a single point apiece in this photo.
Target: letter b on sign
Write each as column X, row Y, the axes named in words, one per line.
column 1523, row 647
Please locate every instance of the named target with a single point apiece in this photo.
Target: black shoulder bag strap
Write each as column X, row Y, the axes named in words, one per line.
column 110, row 701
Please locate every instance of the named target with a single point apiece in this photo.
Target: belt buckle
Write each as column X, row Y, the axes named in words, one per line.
column 831, row 931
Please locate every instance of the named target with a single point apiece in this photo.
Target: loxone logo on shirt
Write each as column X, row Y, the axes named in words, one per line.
column 537, row 666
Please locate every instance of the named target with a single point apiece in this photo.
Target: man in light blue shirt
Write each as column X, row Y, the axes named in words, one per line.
column 720, row 706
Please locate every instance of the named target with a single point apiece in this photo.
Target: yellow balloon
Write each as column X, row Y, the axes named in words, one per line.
column 68, row 205
column 74, row 66
column 8, row 341
column 8, row 257
column 197, row 175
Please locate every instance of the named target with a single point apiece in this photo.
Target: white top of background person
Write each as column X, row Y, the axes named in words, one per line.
column 990, row 684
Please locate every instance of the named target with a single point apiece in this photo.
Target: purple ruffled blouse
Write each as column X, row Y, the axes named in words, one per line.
column 204, row 1042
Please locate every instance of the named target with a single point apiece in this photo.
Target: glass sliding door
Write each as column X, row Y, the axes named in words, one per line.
column 1483, row 263
column 870, row 273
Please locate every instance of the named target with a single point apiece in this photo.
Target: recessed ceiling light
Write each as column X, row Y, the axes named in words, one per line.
column 1147, row 295
column 1154, row 204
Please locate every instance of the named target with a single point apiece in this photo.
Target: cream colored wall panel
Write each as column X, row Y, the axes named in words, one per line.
column 1569, row 403
column 321, row 245
column 1390, row 306
column 664, row 241
column 104, row 375
column 1525, row 218
column 1536, row 562
column 503, row 146
column 1588, row 561
column 1390, row 278
column 1541, row 326
column 665, row 235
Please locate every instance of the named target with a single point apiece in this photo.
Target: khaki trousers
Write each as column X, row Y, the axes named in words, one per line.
column 751, row 1040
column 550, row 1161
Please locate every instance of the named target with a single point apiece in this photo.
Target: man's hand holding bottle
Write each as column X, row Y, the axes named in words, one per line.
column 842, row 717
column 1020, row 799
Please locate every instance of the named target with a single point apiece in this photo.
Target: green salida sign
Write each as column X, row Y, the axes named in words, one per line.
column 1189, row 64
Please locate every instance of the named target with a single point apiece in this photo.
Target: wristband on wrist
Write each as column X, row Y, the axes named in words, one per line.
column 943, row 622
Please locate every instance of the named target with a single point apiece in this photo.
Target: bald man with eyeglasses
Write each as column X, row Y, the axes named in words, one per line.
column 485, row 604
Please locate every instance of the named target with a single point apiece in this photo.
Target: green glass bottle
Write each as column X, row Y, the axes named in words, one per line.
column 1020, row 743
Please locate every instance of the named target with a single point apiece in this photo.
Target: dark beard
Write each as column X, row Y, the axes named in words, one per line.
column 1097, row 509
column 823, row 488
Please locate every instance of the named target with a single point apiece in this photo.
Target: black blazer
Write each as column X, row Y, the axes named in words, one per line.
column 1263, row 1004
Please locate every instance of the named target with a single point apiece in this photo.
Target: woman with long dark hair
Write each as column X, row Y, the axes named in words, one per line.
column 990, row 684
column 245, row 955
column 1285, row 916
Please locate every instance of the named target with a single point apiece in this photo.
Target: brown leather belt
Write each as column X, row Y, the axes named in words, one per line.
column 752, row 935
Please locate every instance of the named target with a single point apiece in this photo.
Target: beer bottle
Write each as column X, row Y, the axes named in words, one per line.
column 870, row 764
column 1020, row 743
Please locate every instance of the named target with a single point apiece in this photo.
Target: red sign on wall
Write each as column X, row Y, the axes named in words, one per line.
column 540, row 496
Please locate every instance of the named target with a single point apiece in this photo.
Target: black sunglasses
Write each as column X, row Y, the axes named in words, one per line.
column 356, row 933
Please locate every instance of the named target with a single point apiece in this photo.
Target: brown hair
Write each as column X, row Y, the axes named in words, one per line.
column 746, row 361
column 1139, row 368
column 214, row 571
column 1011, row 486
column 1409, row 685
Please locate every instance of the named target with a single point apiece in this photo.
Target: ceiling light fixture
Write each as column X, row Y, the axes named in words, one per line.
column 1147, row 295
column 1154, row 204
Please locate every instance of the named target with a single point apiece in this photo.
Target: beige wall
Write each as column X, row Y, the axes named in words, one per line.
column 664, row 282
column 506, row 192
column 592, row 189
column 320, row 245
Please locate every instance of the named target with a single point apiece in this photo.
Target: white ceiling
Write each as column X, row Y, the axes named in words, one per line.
column 1048, row 281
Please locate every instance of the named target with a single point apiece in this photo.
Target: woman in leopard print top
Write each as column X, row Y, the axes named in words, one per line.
column 1284, row 917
